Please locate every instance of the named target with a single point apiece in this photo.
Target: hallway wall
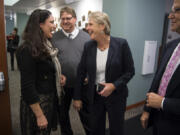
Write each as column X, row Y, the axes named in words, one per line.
column 22, row 19
column 9, row 24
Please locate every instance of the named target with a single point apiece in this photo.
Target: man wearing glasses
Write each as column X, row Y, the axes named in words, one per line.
column 162, row 108
column 70, row 42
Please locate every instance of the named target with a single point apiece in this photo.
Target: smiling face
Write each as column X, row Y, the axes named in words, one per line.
column 175, row 16
column 95, row 30
column 48, row 26
column 67, row 22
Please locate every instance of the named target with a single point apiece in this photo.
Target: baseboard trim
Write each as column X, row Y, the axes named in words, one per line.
column 135, row 105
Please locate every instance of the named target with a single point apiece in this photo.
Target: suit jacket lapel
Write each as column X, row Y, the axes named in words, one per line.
column 162, row 66
column 175, row 77
column 157, row 80
column 93, row 58
column 110, row 54
column 173, row 82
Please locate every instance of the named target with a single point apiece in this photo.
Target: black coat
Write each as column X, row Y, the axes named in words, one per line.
column 37, row 75
column 119, row 69
column 12, row 44
column 169, row 116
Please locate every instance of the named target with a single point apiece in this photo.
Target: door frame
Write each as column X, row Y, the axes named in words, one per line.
column 5, row 113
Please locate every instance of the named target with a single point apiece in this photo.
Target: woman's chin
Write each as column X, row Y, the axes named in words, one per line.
column 50, row 36
column 92, row 37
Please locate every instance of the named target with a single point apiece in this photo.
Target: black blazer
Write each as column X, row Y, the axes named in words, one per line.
column 119, row 69
column 171, row 106
column 37, row 75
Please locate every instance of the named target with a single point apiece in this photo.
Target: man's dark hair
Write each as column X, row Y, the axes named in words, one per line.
column 68, row 10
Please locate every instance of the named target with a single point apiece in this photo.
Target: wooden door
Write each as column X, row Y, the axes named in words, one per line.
column 5, row 115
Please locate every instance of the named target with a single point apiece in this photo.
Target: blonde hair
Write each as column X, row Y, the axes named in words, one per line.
column 101, row 18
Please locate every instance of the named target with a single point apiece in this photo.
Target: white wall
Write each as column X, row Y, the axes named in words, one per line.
column 81, row 7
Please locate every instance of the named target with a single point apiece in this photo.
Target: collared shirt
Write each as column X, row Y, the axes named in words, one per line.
column 74, row 33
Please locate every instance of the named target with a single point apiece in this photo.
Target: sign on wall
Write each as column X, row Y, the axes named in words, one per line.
column 150, row 48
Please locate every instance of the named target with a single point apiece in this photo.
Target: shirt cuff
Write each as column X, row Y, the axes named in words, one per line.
column 162, row 103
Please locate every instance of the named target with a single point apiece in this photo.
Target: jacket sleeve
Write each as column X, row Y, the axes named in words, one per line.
column 81, row 75
column 27, row 68
column 128, row 64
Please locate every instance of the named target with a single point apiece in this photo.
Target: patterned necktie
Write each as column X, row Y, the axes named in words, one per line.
column 169, row 72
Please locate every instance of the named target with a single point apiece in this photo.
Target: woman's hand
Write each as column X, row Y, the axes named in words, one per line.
column 77, row 104
column 144, row 119
column 63, row 80
column 85, row 81
column 42, row 122
column 40, row 117
column 108, row 89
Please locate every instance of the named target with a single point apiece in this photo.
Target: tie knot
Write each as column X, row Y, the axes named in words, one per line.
column 70, row 36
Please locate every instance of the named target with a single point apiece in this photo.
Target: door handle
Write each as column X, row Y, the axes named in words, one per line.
column 2, row 81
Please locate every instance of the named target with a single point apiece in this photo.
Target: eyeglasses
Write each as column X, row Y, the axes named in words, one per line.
column 66, row 18
column 176, row 10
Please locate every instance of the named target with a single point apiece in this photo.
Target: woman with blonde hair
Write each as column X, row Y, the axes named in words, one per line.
column 108, row 63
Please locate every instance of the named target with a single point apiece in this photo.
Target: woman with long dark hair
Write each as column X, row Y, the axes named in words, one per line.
column 41, row 78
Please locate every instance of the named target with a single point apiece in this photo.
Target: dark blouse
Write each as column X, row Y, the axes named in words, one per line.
column 37, row 76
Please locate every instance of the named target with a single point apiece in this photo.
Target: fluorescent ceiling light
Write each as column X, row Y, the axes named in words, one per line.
column 69, row 1
column 10, row 2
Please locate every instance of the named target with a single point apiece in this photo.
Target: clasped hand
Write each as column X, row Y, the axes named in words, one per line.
column 108, row 89
column 62, row 80
column 77, row 104
column 153, row 100
column 42, row 122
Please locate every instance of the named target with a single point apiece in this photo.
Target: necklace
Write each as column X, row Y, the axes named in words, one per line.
column 102, row 48
column 104, row 45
